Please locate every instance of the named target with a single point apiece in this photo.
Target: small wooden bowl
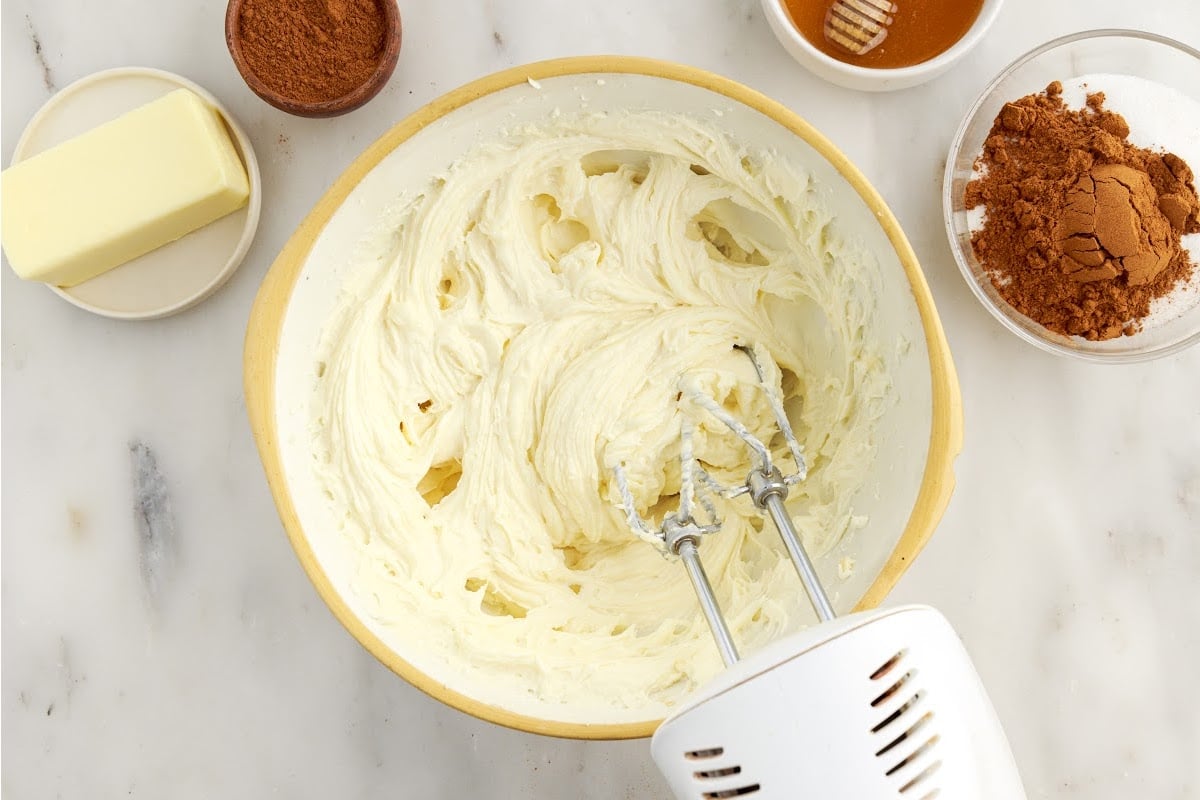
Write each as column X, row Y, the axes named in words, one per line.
column 326, row 108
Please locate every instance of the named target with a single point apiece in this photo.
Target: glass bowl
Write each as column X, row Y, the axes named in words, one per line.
column 1174, row 322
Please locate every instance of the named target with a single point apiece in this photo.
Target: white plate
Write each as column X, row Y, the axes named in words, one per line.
column 178, row 275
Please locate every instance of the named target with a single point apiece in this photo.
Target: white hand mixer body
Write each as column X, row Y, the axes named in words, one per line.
column 879, row 704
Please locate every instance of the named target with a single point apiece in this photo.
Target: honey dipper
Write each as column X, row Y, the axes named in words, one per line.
column 858, row 26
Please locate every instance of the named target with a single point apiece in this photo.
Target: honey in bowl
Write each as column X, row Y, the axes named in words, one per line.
column 920, row 30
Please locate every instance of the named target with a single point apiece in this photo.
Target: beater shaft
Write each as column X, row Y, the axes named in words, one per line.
column 768, row 490
column 708, row 601
column 803, row 564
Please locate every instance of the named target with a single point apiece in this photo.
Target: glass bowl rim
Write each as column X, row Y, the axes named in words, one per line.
column 1042, row 341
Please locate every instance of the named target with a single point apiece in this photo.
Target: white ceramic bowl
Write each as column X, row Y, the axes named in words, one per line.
column 917, row 437
column 1172, row 325
column 868, row 79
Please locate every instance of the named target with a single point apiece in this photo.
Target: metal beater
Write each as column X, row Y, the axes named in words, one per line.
column 768, row 489
column 878, row 704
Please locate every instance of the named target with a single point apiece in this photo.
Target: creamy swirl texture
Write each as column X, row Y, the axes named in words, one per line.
column 529, row 326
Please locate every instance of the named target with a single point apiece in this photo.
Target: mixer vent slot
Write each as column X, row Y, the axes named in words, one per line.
column 895, row 715
column 891, row 690
column 888, row 665
column 712, row 773
column 922, row 778
column 913, row 756
column 924, row 718
column 698, row 755
column 738, row 792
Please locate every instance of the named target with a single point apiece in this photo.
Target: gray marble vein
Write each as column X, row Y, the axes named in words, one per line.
column 40, row 55
column 155, row 521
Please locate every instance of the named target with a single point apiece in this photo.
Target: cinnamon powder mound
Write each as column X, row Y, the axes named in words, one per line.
column 1082, row 229
column 312, row 50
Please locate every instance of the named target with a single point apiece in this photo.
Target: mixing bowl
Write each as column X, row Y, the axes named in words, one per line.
column 918, row 437
column 1173, row 325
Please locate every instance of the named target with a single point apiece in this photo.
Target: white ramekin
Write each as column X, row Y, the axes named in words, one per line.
column 869, row 79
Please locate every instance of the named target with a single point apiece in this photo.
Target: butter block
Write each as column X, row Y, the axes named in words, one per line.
column 120, row 190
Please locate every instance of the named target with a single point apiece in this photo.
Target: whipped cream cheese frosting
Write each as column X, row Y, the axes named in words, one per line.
column 526, row 324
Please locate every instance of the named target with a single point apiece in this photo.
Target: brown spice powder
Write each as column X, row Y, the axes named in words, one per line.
column 312, row 50
column 1082, row 228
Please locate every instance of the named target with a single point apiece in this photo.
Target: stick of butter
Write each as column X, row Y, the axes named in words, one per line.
column 120, row 190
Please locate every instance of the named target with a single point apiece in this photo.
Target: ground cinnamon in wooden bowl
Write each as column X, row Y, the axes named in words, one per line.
column 1082, row 228
column 314, row 58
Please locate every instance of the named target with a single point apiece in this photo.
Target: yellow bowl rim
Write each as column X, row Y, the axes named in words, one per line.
column 270, row 307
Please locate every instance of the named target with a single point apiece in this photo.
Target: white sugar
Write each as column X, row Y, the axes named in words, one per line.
column 1160, row 117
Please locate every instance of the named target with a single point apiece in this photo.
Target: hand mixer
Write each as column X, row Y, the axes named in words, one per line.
column 878, row 704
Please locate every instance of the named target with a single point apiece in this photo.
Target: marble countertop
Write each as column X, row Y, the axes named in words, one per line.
column 1069, row 559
